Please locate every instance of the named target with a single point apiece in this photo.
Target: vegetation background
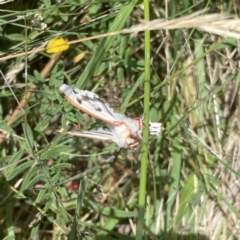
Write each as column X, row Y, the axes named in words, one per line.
column 58, row 187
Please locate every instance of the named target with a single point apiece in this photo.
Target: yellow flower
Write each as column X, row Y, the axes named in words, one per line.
column 57, row 45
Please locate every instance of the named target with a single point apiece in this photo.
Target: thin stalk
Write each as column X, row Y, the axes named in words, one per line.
column 144, row 150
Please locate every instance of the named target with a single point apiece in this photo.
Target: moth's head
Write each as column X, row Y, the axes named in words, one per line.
column 138, row 127
column 132, row 142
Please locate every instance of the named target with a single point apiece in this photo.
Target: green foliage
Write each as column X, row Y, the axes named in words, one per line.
column 61, row 187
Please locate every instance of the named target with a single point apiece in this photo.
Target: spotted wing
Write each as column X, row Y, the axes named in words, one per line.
column 91, row 103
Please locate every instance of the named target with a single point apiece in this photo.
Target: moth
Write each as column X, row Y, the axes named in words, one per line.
column 125, row 132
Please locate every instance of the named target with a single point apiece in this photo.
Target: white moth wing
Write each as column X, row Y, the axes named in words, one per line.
column 116, row 134
column 100, row 134
column 91, row 103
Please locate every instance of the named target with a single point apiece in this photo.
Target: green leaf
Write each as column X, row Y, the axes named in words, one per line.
column 94, row 8
column 28, row 136
column 37, row 179
column 229, row 42
column 19, row 169
column 108, row 211
column 175, row 171
column 38, row 76
column 35, row 230
column 187, row 196
column 54, row 152
column 61, row 166
column 6, row 128
column 28, row 177
column 64, row 125
column 57, row 75
column 16, row 37
column 8, row 160
column 43, row 195
column 9, row 238
column 47, row 3
column 42, row 126
column 71, row 117
column 80, row 197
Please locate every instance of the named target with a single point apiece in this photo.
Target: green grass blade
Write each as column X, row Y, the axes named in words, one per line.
column 145, row 148
column 105, row 44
